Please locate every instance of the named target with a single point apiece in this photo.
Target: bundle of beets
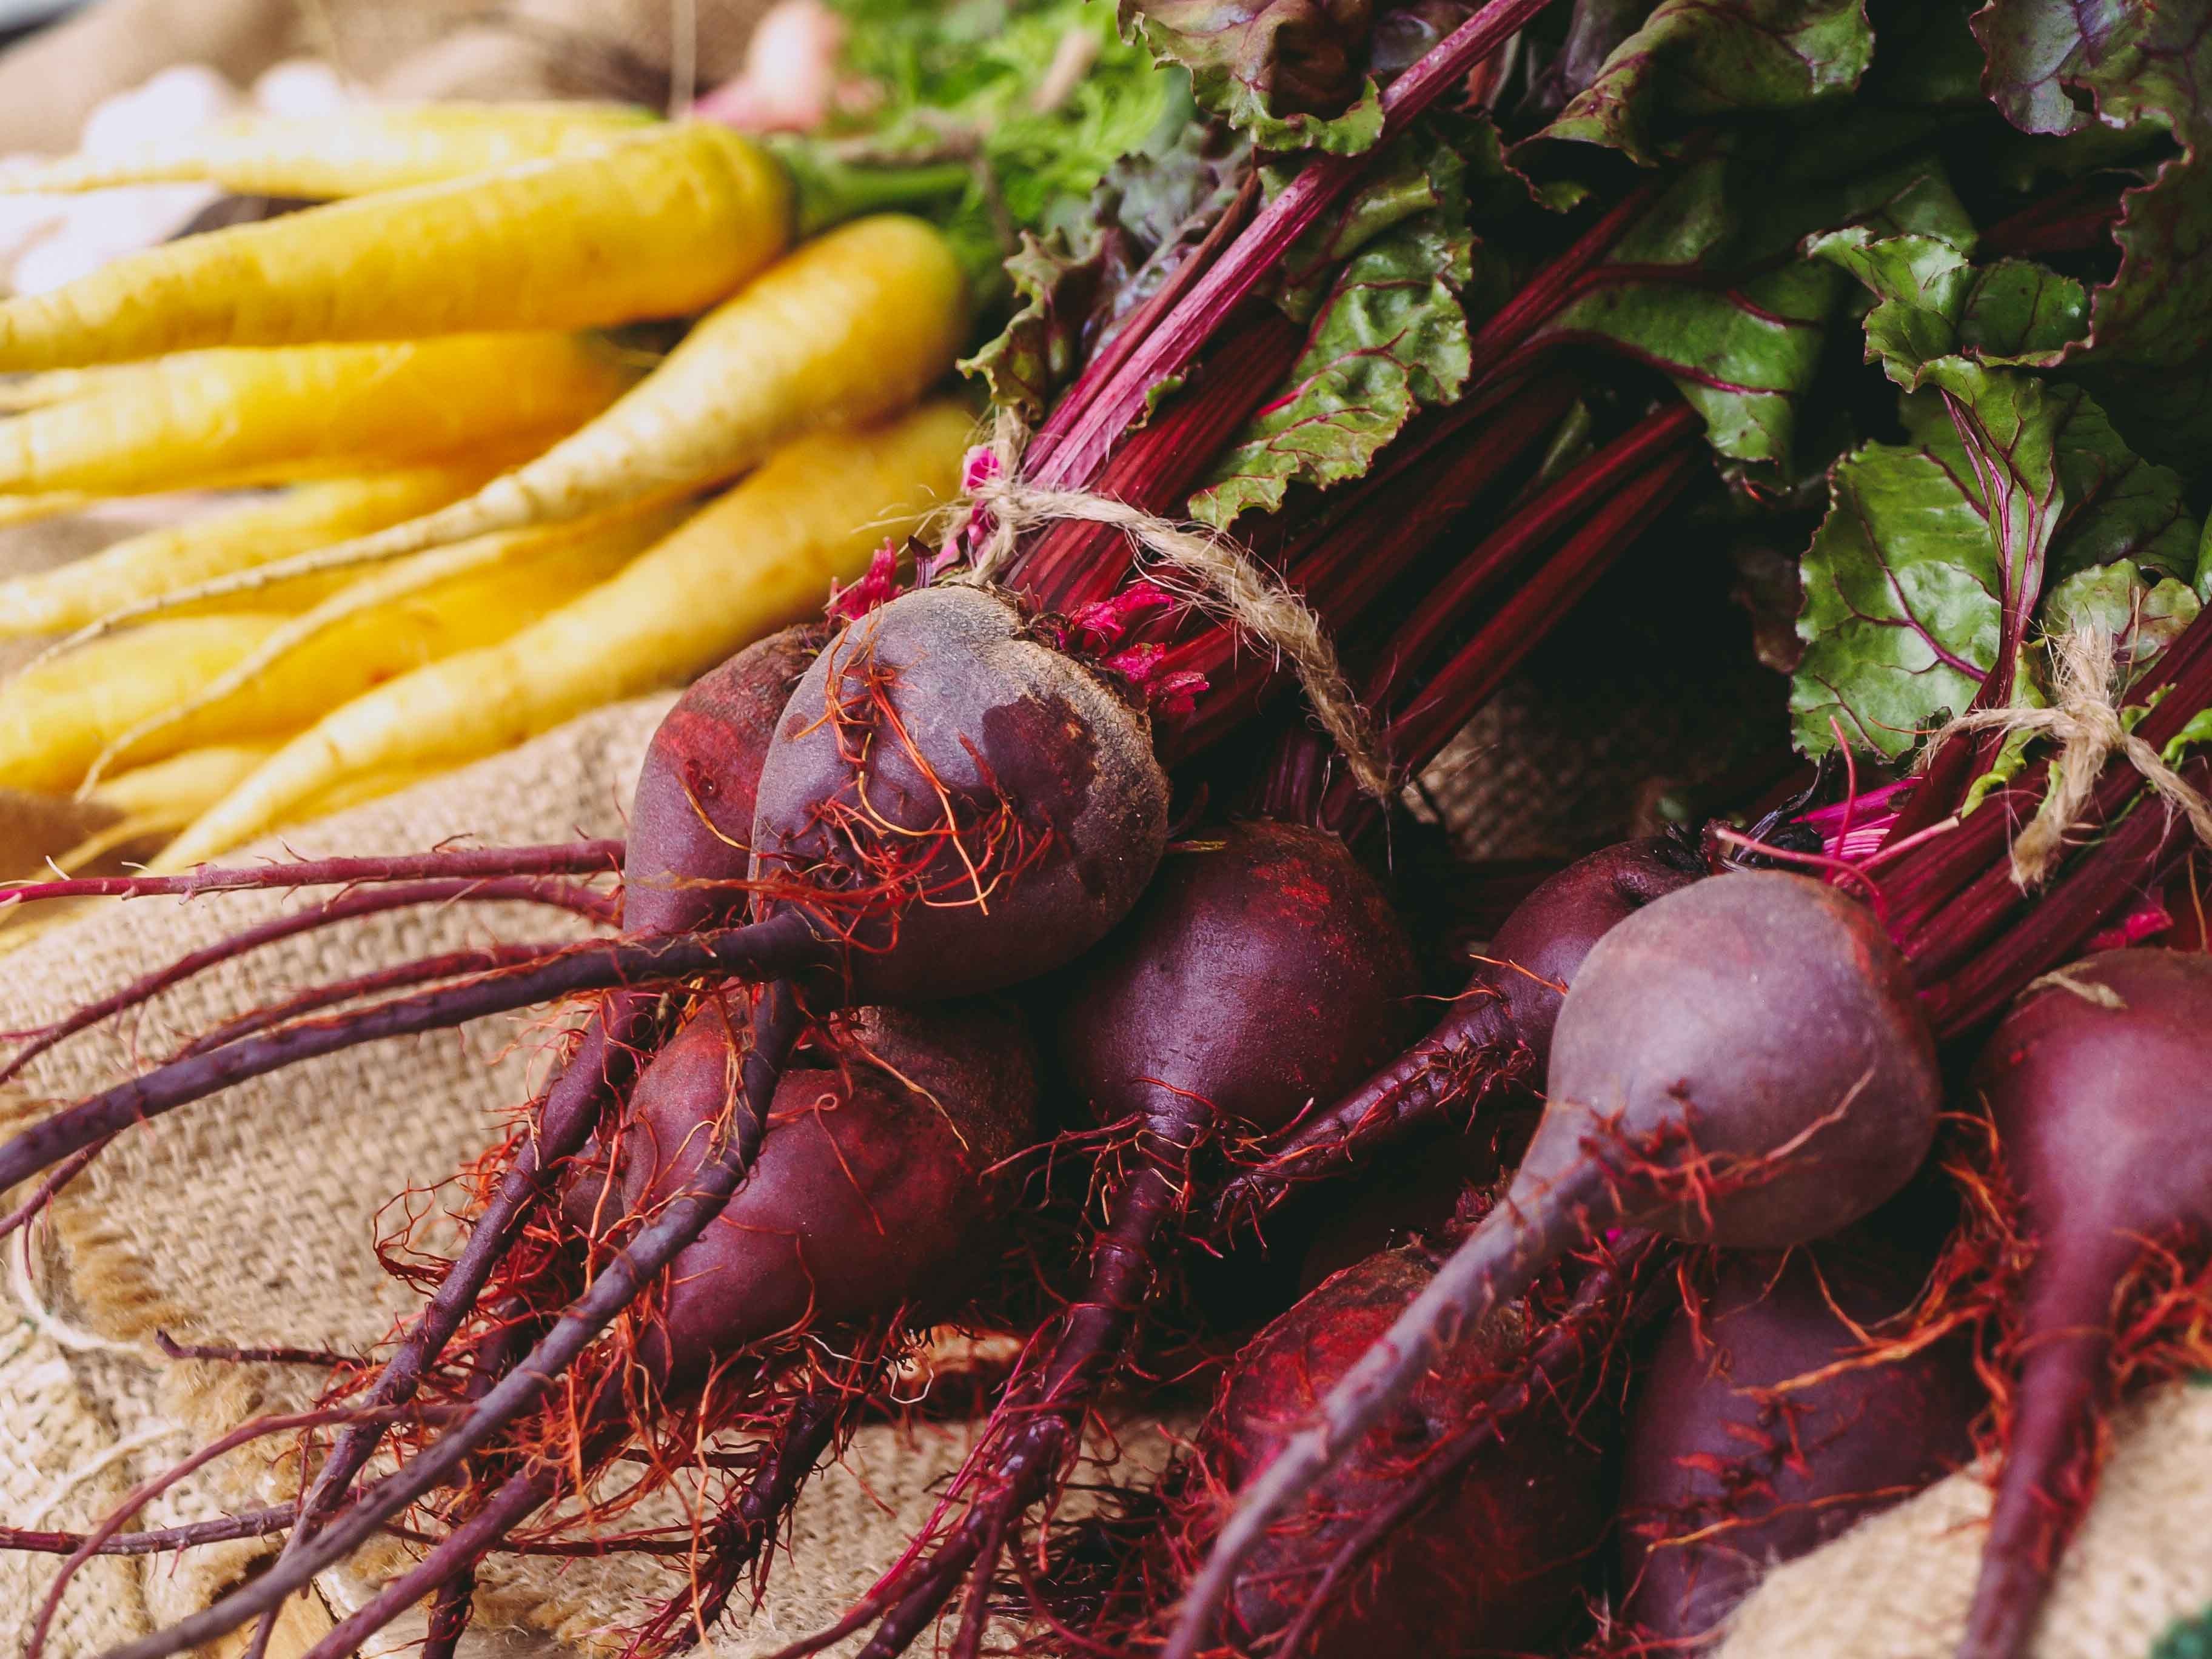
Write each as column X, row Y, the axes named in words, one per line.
column 1330, row 406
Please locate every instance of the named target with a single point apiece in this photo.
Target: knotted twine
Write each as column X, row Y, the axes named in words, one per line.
column 2084, row 719
column 1223, row 578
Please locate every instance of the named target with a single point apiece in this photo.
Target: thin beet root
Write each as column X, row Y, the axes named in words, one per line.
column 775, row 1028
column 880, row 1183
column 1262, row 969
column 1735, row 1465
column 1742, row 1062
column 753, row 953
column 688, row 850
column 2100, row 1083
column 535, row 890
column 580, row 858
column 1497, row 1033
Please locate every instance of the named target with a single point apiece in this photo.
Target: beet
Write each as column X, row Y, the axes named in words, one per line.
column 1498, row 1033
column 2098, row 1080
column 1741, row 1062
column 957, row 804
column 877, row 1186
column 1490, row 1564
column 1262, row 969
column 691, row 815
column 1725, row 1480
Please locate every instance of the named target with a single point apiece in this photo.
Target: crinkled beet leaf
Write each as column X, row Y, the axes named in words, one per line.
column 1294, row 74
column 2055, row 66
column 1389, row 335
column 1695, row 59
column 1075, row 285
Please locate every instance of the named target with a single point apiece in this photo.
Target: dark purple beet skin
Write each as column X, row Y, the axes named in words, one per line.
column 1747, row 1479
column 1490, row 1566
column 1263, row 970
column 875, row 1186
column 691, row 816
column 2098, row 1080
column 990, row 806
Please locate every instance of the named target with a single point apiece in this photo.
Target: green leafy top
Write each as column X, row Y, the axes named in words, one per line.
column 1044, row 96
column 1942, row 556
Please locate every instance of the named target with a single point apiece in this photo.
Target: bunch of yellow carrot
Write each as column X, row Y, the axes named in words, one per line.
column 491, row 515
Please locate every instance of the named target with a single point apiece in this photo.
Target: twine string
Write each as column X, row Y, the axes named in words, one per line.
column 1197, row 563
column 2084, row 719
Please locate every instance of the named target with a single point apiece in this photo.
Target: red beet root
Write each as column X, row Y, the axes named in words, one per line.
column 690, row 847
column 1726, row 1478
column 1263, row 968
column 957, row 804
column 1498, row 1031
column 1741, row 1062
column 877, row 1186
column 1489, row 1566
column 2100, row 1081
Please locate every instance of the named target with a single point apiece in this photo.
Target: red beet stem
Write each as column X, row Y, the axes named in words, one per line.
column 580, row 858
column 1582, row 489
column 562, row 895
column 775, row 1028
column 1074, row 562
column 785, row 944
column 1085, row 429
column 1482, row 665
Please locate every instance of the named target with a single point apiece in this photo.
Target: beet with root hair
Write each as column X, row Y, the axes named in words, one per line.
column 1742, row 1062
column 1263, row 968
column 1727, row 1477
column 2100, row 1083
column 1489, row 1565
column 1498, row 1033
column 878, row 1185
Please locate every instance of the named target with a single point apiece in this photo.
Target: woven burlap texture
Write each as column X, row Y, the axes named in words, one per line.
column 250, row 1219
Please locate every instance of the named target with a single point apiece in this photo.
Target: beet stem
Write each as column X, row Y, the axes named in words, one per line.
column 1169, row 348
column 780, row 945
column 777, row 1024
column 1497, row 1262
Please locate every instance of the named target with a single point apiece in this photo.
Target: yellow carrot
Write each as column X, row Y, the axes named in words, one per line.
column 56, row 716
column 215, row 417
column 30, row 509
column 352, row 152
column 180, row 788
column 361, row 788
column 447, row 599
column 146, row 566
column 761, row 557
column 857, row 323
column 161, row 798
column 655, row 226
